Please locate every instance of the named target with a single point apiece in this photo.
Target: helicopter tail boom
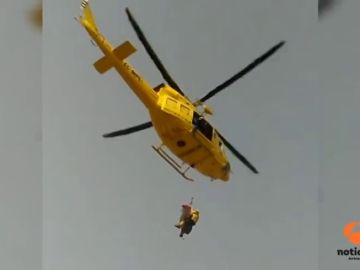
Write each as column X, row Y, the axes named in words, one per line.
column 115, row 58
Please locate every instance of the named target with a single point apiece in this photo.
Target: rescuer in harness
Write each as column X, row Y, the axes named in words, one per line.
column 189, row 217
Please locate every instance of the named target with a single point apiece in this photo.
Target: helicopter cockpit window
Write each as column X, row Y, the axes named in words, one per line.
column 203, row 126
column 221, row 146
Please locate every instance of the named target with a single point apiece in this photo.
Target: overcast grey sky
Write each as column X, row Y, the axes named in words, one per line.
column 112, row 204
column 20, row 146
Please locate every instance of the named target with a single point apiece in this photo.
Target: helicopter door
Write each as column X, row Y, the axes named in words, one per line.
column 203, row 126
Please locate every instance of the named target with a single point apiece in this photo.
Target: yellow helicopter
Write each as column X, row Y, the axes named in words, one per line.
column 179, row 122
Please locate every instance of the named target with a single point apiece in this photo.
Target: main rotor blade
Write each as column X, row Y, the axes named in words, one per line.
column 152, row 53
column 243, row 72
column 128, row 130
column 325, row 6
column 238, row 155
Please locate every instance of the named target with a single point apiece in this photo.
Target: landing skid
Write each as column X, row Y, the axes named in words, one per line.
column 179, row 168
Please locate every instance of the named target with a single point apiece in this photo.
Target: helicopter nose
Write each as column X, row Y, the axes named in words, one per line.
column 227, row 167
column 226, row 171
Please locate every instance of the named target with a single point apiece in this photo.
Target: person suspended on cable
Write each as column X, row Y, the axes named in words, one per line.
column 189, row 217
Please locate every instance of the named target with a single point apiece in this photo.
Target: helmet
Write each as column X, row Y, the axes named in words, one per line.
column 186, row 206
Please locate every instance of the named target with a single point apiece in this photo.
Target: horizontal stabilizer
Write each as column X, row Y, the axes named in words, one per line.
column 103, row 64
column 121, row 52
column 124, row 50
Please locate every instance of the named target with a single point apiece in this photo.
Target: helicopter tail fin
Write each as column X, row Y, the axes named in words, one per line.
column 87, row 16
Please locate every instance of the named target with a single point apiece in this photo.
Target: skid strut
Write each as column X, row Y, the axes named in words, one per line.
column 162, row 153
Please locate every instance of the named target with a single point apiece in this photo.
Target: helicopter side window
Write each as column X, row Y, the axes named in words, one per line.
column 203, row 126
column 172, row 104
